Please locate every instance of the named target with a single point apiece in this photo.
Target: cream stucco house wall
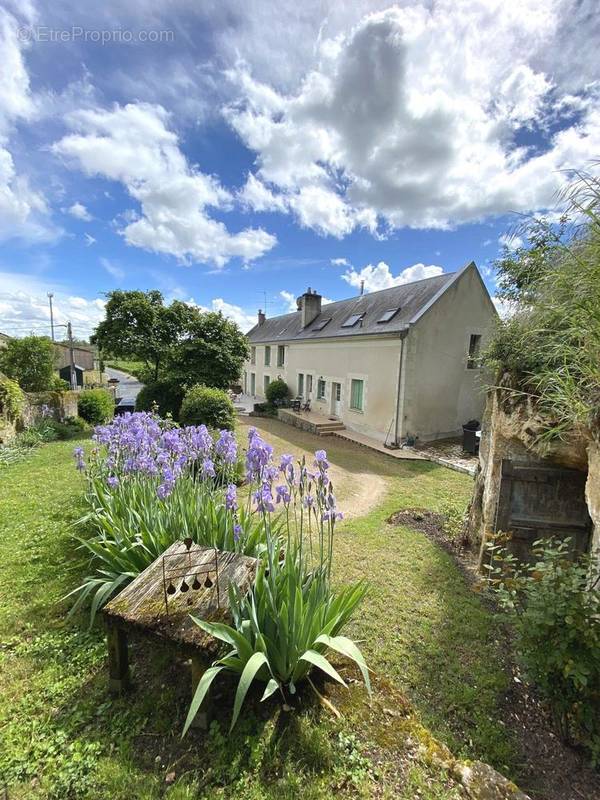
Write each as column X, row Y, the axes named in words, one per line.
column 390, row 364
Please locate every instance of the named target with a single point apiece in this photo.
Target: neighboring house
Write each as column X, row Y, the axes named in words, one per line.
column 85, row 357
column 399, row 362
column 4, row 339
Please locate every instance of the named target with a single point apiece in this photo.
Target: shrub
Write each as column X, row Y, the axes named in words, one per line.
column 555, row 607
column 11, row 398
column 205, row 406
column 30, row 362
column 277, row 390
column 96, row 406
column 165, row 396
column 70, row 428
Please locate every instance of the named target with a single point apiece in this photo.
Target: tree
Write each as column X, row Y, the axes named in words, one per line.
column 211, row 354
column 29, row 361
column 139, row 325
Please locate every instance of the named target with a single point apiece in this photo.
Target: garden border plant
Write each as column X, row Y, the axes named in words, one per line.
column 150, row 483
column 291, row 617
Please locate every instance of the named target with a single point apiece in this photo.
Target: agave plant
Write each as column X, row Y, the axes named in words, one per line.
column 291, row 617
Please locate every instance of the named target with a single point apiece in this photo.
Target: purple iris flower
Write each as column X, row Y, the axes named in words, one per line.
column 263, row 498
column 237, row 532
column 226, row 447
column 283, row 494
column 79, row 462
column 112, row 481
column 231, row 497
column 208, row 468
column 321, row 459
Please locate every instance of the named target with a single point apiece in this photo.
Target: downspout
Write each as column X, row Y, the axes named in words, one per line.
column 396, row 443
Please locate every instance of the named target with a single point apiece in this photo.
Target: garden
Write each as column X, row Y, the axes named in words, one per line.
column 64, row 736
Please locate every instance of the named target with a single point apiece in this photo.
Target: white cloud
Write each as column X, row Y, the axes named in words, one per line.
column 290, row 300
column 79, row 211
column 510, row 241
column 24, row 308
column 386, row 131
column 339, row 262
column 504, row 307
column 89, row 239
column 242, row 317
column 380, row 276
column 23, row 210
column 113, row 269
column 134, row 145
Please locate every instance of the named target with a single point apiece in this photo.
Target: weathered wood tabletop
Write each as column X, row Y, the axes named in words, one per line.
column 141, row 605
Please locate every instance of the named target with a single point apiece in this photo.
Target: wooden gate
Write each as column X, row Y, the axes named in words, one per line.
column 538, row 501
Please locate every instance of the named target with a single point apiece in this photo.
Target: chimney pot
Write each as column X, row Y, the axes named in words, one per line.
column 261, row 317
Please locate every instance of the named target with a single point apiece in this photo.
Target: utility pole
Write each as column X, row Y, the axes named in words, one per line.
column 50, row 296
column 71, row 356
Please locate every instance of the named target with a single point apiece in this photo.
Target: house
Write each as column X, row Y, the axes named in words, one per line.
column 86, row 357
column 4, row 340
column 401, row 362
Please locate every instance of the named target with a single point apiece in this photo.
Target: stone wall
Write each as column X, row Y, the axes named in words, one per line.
column 510, row 430
column 61, row 405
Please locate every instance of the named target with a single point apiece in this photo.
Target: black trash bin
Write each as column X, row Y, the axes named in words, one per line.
column 470, row 438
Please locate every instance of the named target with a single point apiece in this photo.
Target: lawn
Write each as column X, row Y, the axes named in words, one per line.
column 426, row 634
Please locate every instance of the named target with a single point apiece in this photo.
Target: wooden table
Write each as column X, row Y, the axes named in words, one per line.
column 143, row 607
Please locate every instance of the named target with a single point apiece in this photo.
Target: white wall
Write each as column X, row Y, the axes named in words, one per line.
column 441, row 393
column 374, row 360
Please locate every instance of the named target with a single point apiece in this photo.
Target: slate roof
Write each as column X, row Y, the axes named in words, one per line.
column 410, row 299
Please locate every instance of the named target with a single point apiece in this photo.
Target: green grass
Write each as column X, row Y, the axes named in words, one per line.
column 64, row 737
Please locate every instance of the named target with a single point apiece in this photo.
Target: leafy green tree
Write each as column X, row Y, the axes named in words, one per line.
column 212, row 352
column 29, row 361
column 138, row 325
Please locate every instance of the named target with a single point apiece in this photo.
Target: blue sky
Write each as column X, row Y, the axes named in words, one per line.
column 223, row 152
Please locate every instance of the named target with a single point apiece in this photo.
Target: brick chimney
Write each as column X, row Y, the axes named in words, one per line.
column 261, row 317
column 310, row 305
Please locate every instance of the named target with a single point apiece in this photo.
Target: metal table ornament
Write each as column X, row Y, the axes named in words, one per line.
column 198, row 572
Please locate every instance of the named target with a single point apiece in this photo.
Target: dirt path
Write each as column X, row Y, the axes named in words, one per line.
column 357, row 491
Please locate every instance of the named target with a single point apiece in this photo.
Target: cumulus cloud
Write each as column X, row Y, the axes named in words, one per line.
column 24, row 308
column 510, row 241
column 134, row 145
column 387, row 131
column 79, row 211
column 380, row 276
column 289, row 299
